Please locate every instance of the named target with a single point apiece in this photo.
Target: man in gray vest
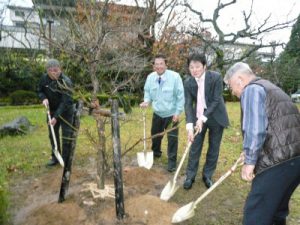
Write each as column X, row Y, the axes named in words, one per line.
column 270, row 124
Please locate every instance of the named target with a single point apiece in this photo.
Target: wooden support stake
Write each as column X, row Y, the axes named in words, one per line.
column 68, row 165
column 119, row 197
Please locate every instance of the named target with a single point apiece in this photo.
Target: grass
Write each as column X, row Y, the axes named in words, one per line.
column 26, row 155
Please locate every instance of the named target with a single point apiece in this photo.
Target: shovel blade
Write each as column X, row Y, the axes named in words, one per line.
column 59, row 158
column 169, row 190
column 184, row 213
column 145, row 159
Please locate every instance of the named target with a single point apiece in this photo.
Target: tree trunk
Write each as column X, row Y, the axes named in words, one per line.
column 101, row 152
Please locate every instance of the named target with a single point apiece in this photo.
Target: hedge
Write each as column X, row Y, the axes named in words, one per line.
column 23, row 97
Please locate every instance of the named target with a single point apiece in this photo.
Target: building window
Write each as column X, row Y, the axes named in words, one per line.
column 19, row 13
column 20, row 24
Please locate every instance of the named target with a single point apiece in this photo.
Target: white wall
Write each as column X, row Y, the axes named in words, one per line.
column 12, row 34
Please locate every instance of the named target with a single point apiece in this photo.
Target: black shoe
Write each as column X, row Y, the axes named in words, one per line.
column 171, row 165
column 52, row 162
column 207, row 181
column 156, row 155
column 188, row 183
column 171, row 169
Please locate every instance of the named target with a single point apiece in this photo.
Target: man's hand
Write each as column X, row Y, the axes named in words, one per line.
column 144, row 105
column 175, row 118
column 190, row 135
column 53, row 121
column 199, row 125
column 247, row 173
column 45, row 102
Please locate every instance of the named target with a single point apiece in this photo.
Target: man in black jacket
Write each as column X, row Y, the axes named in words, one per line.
column 55, row 92
column 205, row 109
column 271, row 145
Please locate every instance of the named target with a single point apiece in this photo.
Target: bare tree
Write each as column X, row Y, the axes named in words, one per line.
column 223, row 39
column 158, row 16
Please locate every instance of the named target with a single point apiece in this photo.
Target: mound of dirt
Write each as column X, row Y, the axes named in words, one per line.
column 143, row 209
column 144, row 180
column 141, row 200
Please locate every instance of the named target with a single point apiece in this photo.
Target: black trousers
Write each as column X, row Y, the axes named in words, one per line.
column 67, row 130
column 271, row 190
column 160, row 124
column 215, row 132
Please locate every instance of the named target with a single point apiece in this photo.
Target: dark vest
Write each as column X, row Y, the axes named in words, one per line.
column 283, row 132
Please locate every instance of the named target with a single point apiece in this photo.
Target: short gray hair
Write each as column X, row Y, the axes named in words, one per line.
column 52, row 63
column 238, row 67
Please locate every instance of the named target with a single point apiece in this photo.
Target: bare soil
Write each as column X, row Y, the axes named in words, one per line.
column 34, row 200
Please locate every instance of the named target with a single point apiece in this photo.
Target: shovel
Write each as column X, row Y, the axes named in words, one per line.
column 56, row 153
column 188, row 211
column 171, row 187
column 145, row 159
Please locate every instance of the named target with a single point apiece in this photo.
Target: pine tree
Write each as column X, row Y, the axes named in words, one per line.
column 288, row 63
column 293, row 46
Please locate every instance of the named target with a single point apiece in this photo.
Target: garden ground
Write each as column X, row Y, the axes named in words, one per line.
column 34, row 188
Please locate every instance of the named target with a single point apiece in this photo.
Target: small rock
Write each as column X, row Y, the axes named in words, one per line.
column 20, row 125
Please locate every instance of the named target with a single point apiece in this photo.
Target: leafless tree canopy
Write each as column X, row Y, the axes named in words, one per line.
column 248, row 32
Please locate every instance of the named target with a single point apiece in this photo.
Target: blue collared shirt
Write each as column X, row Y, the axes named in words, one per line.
column 167, row 98
column 255, row 121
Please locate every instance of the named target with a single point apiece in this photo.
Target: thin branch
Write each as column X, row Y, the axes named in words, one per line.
column 151, row 137
column 197, row 13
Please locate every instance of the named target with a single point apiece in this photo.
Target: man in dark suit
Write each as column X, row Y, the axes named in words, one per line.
column 204, row 109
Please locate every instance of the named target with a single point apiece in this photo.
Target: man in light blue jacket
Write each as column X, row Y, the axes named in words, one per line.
column 164, row 90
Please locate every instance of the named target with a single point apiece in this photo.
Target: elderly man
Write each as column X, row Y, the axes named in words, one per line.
column 54, row 90
column 164, row 89
column 271, row 145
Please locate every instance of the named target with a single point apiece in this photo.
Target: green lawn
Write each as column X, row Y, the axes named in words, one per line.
column 26, row 155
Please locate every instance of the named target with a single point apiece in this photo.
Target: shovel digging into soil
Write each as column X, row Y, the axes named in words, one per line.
column 171, row 187
column 145, row 159
column 55, row 151
column 188, row 211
